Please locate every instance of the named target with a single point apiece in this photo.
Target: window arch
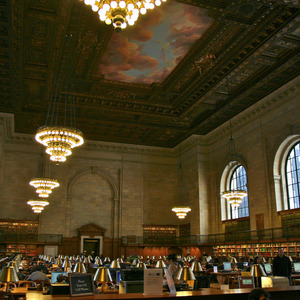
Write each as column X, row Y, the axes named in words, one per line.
column 286, row 170
column 234, row 177
column 292, row 174
column 238, row 181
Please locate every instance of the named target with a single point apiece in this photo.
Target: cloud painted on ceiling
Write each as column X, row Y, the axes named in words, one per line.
column 149, row 50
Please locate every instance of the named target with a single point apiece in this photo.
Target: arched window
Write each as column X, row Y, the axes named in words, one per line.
column 292, row 173
column 238, row 181
column 287, row 174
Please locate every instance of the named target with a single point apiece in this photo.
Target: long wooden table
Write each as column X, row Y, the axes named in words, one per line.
column 209, row 293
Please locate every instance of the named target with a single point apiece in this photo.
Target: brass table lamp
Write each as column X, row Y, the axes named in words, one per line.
column 186, row 274
column 103, row 276
column 8, row 275
column 141, row 265
column 160, row 264
column 79, row 267
column 115, row 265
column 196, row 267
column 257, row 272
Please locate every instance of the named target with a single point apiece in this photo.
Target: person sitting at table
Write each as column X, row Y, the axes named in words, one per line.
column 41, row 267
column 61, row 279
column 39, row 276
column 258, row 261
column 172, row 264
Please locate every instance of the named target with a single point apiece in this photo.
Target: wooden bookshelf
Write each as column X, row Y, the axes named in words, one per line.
column 258, row 249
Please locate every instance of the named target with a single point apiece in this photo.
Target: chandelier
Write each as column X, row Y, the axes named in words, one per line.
column 181, row 211
column 59, row 141
column 59, row 135
column 38, row 205
column 121, row 12
column 44, row 186
column 235, row 197
column 43, row 183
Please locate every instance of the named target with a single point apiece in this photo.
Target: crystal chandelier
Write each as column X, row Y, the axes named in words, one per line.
column 121, row 12
column 38, row 205
column 59, row 135
column 235, row 197
column 181, row 210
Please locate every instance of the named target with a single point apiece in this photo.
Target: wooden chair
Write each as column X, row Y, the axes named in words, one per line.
column 26, row 283
column 10, row 285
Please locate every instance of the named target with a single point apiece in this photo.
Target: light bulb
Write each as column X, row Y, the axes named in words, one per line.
column 113, row 4
column 122, row 4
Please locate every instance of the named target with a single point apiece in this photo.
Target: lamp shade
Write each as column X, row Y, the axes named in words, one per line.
column 79, row 268
column 86, row 261
column 13, row 264
column 160, row 264
column 141, row 265
column 67, row 264
column 102, row 275
column 185, row 274
column 233, row 260
column 58, row 262
column 135, row 262
column 196, row 267
column 98, row 262
column 106, row 260
column 257, row 271
column 9, row 274
column 115, row 265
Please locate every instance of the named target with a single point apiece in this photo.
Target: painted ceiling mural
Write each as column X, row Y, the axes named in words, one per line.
column 150, row 50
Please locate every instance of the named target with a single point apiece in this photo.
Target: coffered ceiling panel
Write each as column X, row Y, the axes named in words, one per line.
column 184, row 68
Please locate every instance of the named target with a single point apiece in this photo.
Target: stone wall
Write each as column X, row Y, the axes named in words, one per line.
column 121, row 187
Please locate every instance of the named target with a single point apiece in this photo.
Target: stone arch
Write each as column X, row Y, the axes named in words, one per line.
column 281, row 155
column 92, row 170
column 115, row 199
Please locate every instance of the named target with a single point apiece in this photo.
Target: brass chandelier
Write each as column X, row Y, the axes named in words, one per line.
column 234, row 197
column 59, row 135
column 59, row 141
column 121, row 13
column 181, row 211
column 44, row 186
column 38, row 205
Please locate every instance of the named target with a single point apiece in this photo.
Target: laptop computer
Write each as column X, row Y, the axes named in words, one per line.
column 296, row 268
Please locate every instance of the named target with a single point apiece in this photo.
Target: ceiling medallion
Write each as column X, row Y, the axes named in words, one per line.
column 121, row 12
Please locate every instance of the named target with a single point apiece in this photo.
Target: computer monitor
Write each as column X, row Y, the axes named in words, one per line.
column 227, row 266
column 268, row 268
column 132, row 274
column 297, row 267
column 55, row 274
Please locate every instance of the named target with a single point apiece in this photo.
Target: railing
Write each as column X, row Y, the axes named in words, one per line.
column 30, row 238
column 272, row 234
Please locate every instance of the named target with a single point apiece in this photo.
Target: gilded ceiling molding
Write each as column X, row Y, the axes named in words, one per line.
column 278, row 97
